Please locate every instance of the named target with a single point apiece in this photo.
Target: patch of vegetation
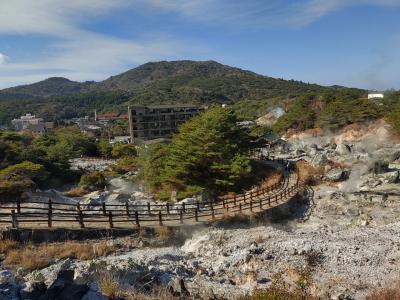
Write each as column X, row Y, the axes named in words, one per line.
column 93, row 181
column 390, row 292
column 19, row 177
column 392, row 102
column 124, row 150
column 29, row 160
column 210, row 153
column 32, row 257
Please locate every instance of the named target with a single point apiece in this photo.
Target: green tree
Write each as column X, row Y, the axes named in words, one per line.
column 209, row 153
column 104, row 148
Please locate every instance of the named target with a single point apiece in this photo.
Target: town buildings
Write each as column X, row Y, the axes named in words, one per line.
column 155, row 122
column 373, row 95
column 32, row 124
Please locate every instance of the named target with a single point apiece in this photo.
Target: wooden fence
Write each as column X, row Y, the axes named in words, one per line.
column 55, row 214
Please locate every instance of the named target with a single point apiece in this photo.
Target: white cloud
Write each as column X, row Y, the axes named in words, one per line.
column 3, row 58
column 73, row 51
column 260, row 12
column 81, row 54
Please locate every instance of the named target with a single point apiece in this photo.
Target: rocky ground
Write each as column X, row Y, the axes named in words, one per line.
column 347, row 225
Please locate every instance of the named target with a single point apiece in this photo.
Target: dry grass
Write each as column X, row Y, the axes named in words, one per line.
column 109, row 285
column 157, row 294
column 260, row 239
column 33, row 257
column 308, row 173
column 7, row 245
column 163, row 233
column 76, row 192
column 272, row 180
column 387, row 293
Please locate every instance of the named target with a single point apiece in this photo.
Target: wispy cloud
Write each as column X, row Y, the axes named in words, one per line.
column 3, row 58
column 261, row 12
column 71, row 50
column 74, row 51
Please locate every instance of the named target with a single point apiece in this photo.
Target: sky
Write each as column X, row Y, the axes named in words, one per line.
column 331, row 42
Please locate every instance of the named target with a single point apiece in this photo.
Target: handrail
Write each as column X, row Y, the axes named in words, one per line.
column 58, row 214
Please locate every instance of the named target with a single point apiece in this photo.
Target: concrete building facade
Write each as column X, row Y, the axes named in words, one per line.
column 32, row 124
column 155, row 122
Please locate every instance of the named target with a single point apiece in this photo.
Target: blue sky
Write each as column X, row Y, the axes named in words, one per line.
column 346, row 42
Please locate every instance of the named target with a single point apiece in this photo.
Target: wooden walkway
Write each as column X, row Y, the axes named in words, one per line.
column 36, row 215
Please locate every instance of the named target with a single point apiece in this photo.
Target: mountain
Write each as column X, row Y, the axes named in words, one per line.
column 159, row 81
column 196, row 82
column 54, row 86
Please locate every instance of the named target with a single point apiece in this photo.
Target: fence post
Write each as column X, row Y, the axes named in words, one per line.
column 196, row 216
column 181, row 216
column 14, row 220
column 80, row 216
column 103, row 205
column 198, row 205
column 184, row 207
column 251, row 206
column 234, row 199
column 127, row 209
column 240, row 207
column 223, row 203
column 148, row 208
column 269, row 201
column 110, row 219
column 261, row 206
column 50, row 214
column 160, row 218
column 18, row 205
column 137, row 219
column 167, row 208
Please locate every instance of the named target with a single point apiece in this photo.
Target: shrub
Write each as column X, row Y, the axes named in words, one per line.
column 125, row 164
column 123, row 150
column 104, row 148
column 93, row 181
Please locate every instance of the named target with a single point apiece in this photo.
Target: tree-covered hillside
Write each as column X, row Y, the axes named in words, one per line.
column 152, row 83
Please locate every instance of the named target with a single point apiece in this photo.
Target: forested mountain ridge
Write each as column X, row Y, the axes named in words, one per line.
column 197, row 82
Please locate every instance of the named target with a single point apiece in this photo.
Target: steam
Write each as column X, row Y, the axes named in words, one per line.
column 277, row 112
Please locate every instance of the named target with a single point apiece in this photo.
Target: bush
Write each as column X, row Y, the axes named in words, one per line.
column 17, row 178
column 123, row 150
column 93, row 181
column 394, row 118
column 125, row 164
column 104, row 148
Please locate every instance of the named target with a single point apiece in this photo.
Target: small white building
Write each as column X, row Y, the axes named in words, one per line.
column 373, row 95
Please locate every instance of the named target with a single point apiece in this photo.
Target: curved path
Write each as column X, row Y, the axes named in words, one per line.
column 34, row 215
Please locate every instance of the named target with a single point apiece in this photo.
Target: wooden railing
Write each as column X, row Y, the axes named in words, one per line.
column 56, row 214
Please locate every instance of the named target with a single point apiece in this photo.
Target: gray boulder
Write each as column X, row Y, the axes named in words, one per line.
column 64, row 288
column 343, row 149
column 390, row 177
column 177, row 288
column 336, row 174
column 319, row 160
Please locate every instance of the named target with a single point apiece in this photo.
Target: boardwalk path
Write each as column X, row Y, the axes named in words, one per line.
column 57, row 215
